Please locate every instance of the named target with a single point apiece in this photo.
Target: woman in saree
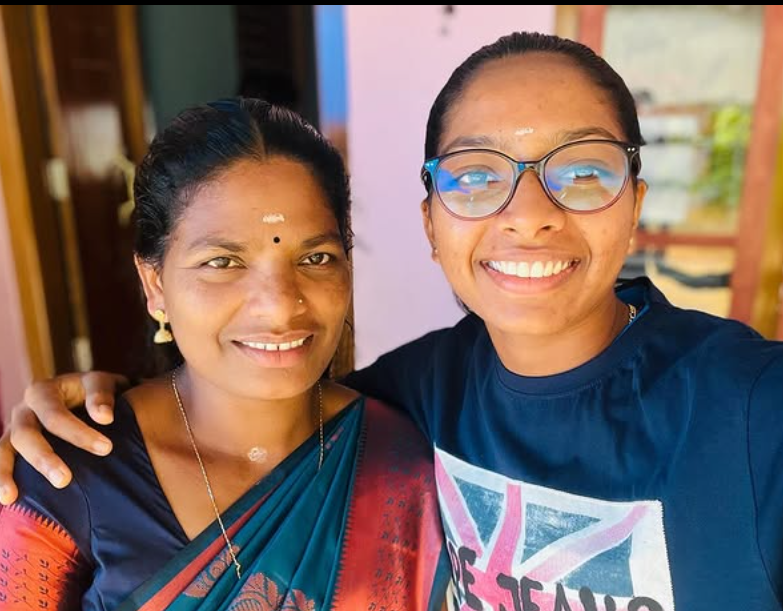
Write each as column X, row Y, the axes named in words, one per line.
column 240, row 477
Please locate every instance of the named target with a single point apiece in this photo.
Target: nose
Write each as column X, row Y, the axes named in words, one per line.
column 273, row 295
column 530, row 213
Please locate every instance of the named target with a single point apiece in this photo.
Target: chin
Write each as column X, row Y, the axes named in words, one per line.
column 280, row 385
column 528, row 324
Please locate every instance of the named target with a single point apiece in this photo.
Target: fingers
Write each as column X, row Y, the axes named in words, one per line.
column 8, row 489
column 27, row 439
column 47, row 404
column 50, row 400
column 100, row 388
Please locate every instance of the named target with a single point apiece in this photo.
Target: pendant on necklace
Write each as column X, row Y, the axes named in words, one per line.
column 257, row 454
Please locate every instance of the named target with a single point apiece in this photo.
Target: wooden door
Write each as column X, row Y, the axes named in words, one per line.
column 91, row 69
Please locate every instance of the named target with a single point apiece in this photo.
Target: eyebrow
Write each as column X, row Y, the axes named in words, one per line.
column 477, row 142
column 331, row 237
column 216, row 241
column 560, row 138
column 222, row 243
column 584, row 132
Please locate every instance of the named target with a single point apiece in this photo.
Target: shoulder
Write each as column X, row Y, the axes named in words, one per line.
column 697, row 340
column 334, row 397
column 707, row 352
column 396, row 427
column 72, row 507
column 444, row 345
column 122, row 432
column 403, row 375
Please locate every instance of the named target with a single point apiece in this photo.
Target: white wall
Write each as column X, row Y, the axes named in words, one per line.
column 14, row 361
column 675, row 56
column 398, row 58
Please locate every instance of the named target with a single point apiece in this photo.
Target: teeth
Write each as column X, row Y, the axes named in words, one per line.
column 523, row 269
column 537, row 270
column 276, row 347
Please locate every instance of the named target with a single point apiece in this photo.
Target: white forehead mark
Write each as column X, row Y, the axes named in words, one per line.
column 524, row 131
column 271, row 219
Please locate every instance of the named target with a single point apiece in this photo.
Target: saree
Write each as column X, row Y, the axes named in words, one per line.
column 363, row 532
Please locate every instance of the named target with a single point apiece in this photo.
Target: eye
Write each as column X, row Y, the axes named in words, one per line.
column 318, row 259
column 467, row 180
column 476, row 178
column 584, row 173
column 222, row 263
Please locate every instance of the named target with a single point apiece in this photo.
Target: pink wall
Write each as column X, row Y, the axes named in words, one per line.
column 398, row 58
column 14, row 364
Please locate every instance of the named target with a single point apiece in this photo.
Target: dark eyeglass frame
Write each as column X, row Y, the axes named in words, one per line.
column 633, row 165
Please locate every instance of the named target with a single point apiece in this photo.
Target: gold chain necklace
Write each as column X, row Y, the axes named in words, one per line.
column 632, row 312
column 230, row 547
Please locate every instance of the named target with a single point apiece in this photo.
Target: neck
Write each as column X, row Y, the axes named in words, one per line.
column 550, row 354
column 235, row 426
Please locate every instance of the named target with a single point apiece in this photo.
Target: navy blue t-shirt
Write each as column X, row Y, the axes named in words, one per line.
column 649, row 478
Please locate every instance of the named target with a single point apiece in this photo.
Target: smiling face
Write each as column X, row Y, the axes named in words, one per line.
column 533, row 269
column 256, row 308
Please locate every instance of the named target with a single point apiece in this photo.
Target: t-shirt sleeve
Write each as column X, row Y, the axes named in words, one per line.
column 403, row 379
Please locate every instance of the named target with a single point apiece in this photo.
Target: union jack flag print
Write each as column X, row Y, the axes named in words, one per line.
column 520, row 547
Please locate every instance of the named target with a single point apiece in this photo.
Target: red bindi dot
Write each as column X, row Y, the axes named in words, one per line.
column 277, row 240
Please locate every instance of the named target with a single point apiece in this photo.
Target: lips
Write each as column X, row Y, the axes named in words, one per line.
column 276, row 354
column 540, row 268
column 275, row 346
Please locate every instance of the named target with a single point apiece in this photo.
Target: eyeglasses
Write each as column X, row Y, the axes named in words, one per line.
column 580, row 177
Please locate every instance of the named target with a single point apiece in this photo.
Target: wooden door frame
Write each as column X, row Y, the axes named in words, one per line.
column 69, row 253
column 32, row 123
column 757, row 200
column 134, row 100
column 134, row 133
column 24, row 243
column 780, row 320
column 55, row 314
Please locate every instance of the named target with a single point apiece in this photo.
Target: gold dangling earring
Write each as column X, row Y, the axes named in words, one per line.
column 162, row 335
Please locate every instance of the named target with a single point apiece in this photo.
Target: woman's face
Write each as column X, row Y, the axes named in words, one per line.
column 526, row 106
column 255, row 282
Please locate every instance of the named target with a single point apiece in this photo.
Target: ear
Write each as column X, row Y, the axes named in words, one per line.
column 641, row 192
column 152, row 284
column 426, row 217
